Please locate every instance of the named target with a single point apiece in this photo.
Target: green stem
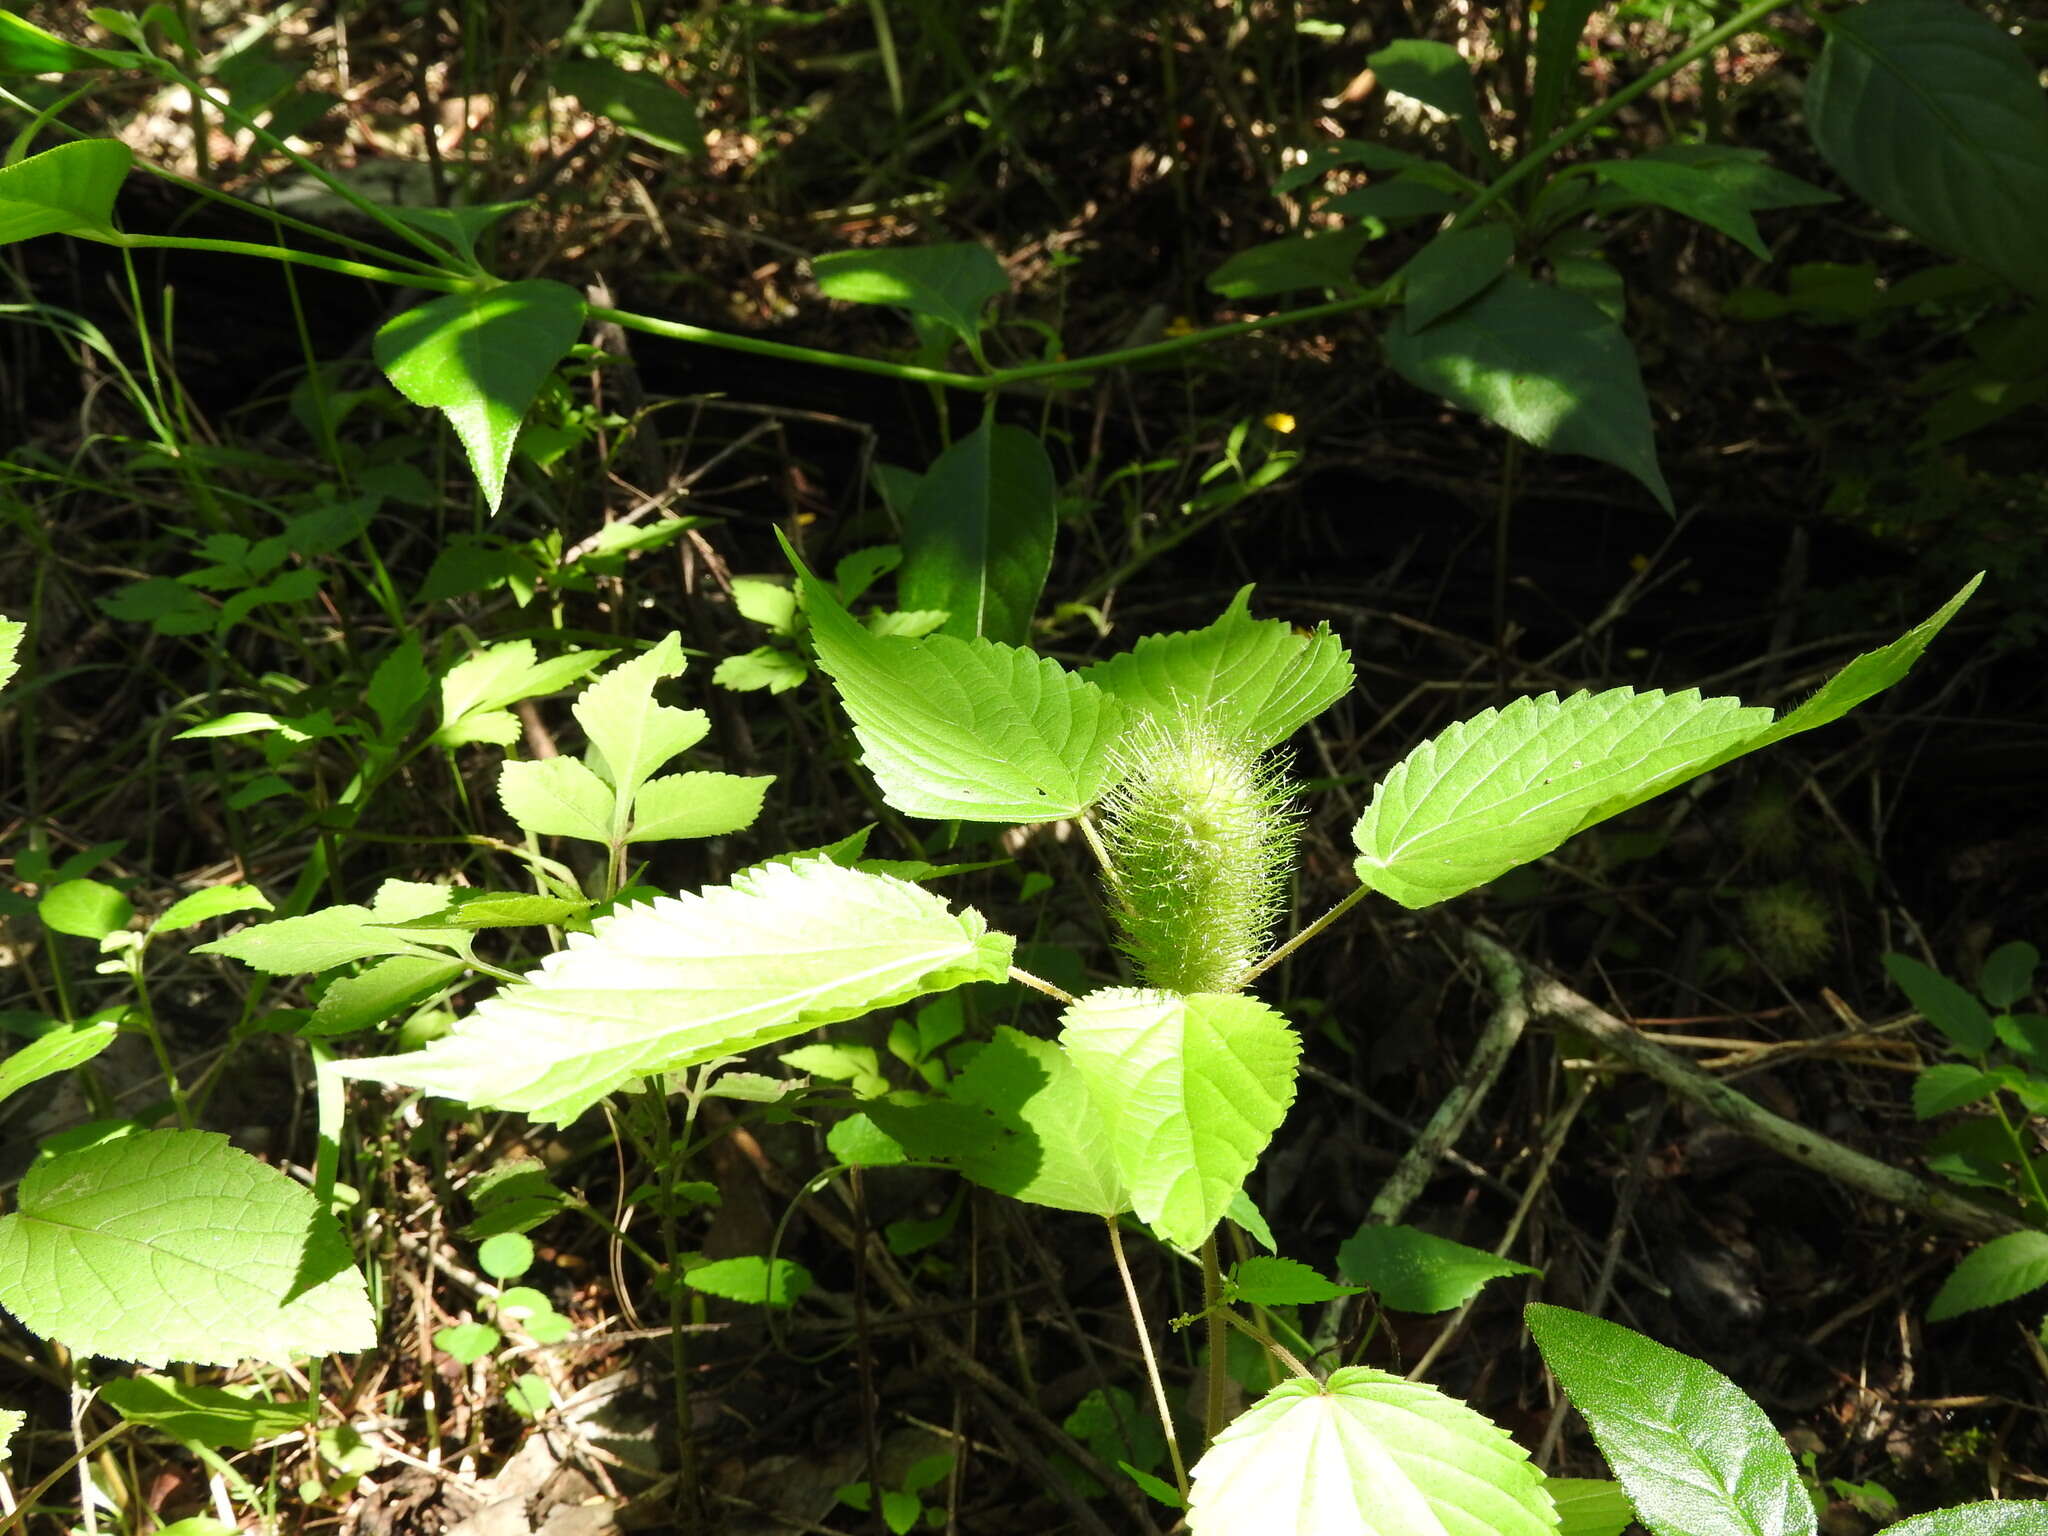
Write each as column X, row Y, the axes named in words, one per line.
column 1305, row 935
column 1039, row 984
column 2027, row 1174
column 1214, row 1309
column 1123, row 1270
column 689, row 1487
column 438, row 282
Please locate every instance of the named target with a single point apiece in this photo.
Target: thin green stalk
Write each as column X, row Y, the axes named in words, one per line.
column 1301, row 938
column 2027, row 1174
column 689, row 1488
column 1123, row 1270
column 1213, row 1310
column 438, row 282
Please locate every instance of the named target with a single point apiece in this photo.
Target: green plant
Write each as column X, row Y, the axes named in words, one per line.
column 1998, row 1054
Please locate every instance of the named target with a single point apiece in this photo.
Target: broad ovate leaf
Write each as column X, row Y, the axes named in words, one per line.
column 1191, row 1088
column 1456, row 266
column 977, row 537
column 966, row 729
column 68, row 190
column 1933, row 111
column 1507, row 786
column 1255, row 681
column 1549, row 366
column 2004, row 1268
column 950, row 284
column 1415, row 1271
column 1697, row 1457
column 481, row 357
column 656, row 988
column 175, row 1245
column 1366, row 1454
column 213, row 1416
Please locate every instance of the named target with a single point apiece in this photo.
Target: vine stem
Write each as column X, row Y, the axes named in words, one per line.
column 1123, row 1270
column 1039, row 984
column 1214, row 1312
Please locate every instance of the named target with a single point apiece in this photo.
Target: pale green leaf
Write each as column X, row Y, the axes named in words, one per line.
column 1252, row 680
column 1934, row 113
column 631, row 736
column 11, row 632
column 174, row 1245
column 319, row 941
column 1508, row 786
column 1697, row 1457
column 465, row 910
column 481, row 358
column 220, row 1417
column 397, row 686
column 764, row 667
column 1869, row 674
column 661, row 987
column 68, row 190
column 951, row 284
column 1455, row 267
column 2002, row 1269
column 11, row 1420
column 86, row 909
column 1547, row 365
column 204, row 905
column 768, row 602
column 57, row 1049
column 467, row 1343
column 1191, row 1088
column 381, row 992
column 696, row 805
column 557, row 797
column 639, row 101
column 1416, row 1271
column 1589, row 1506
column 1366, row 1454
column 477, row 692
column 769, row 1282
column 977, row 538
column 966, row 729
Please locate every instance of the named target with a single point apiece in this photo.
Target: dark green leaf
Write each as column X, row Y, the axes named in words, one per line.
column 1433, row 74
column 639, row 101
column 951, row 284
column 1947, row 1006
column 1417, row 1271
column 1281, row 266
column 1457, row 265
column 977, row 539
column 2003, row 1269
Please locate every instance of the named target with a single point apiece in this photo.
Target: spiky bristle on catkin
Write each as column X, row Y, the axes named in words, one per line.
column 1200, row 838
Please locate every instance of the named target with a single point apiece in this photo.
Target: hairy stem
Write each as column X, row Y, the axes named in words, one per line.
column 1123, row 1270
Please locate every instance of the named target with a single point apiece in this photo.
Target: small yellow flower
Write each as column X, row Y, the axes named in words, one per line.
column 1281, row 422
column 1180, row 325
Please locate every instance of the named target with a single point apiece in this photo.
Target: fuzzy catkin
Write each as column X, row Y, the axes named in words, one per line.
column 1200, row 839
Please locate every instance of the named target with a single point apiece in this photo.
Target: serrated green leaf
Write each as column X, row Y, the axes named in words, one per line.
column 174, row 1245
column 11, row 632
column 637, row 100
column 631, row 736
column 951, row 284
column 1276, row 1282
column 1416, row 1271
column 557, row 797
column 2004, row 1268
column 481, row 357
column 86, row 909
column 1589, row 1506
column 763, row 667
column 767, row 1282
column 657, row 988
column 765, row 601
column 2006, row 1517
column 1697, row 1457
column 1254, row 680
column 977, row 538
column 1456, row 266
column 696, row 805
column 380, row 993
column 202, row 906
column 966, row 729
column 11, row 1420
column 1285, row 265
column 1018, row 1119
column 477, row 693
column 1191, row 1089
column 68, row 190
column 56, row 1050
column 1951, row 1085
column 467, row 911
column 397, row 687
column 1549, row 366
column 1934, row 113
column 1366, row 1454
column 2008, row 974
column 319, row 941
column 1510, row 785
column 211, row 1416
column 1946, row 1005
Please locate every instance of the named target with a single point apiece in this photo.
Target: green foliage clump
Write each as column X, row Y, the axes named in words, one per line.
column 1200, row 839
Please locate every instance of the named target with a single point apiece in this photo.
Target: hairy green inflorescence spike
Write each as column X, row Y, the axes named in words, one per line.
column 1200, row 839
